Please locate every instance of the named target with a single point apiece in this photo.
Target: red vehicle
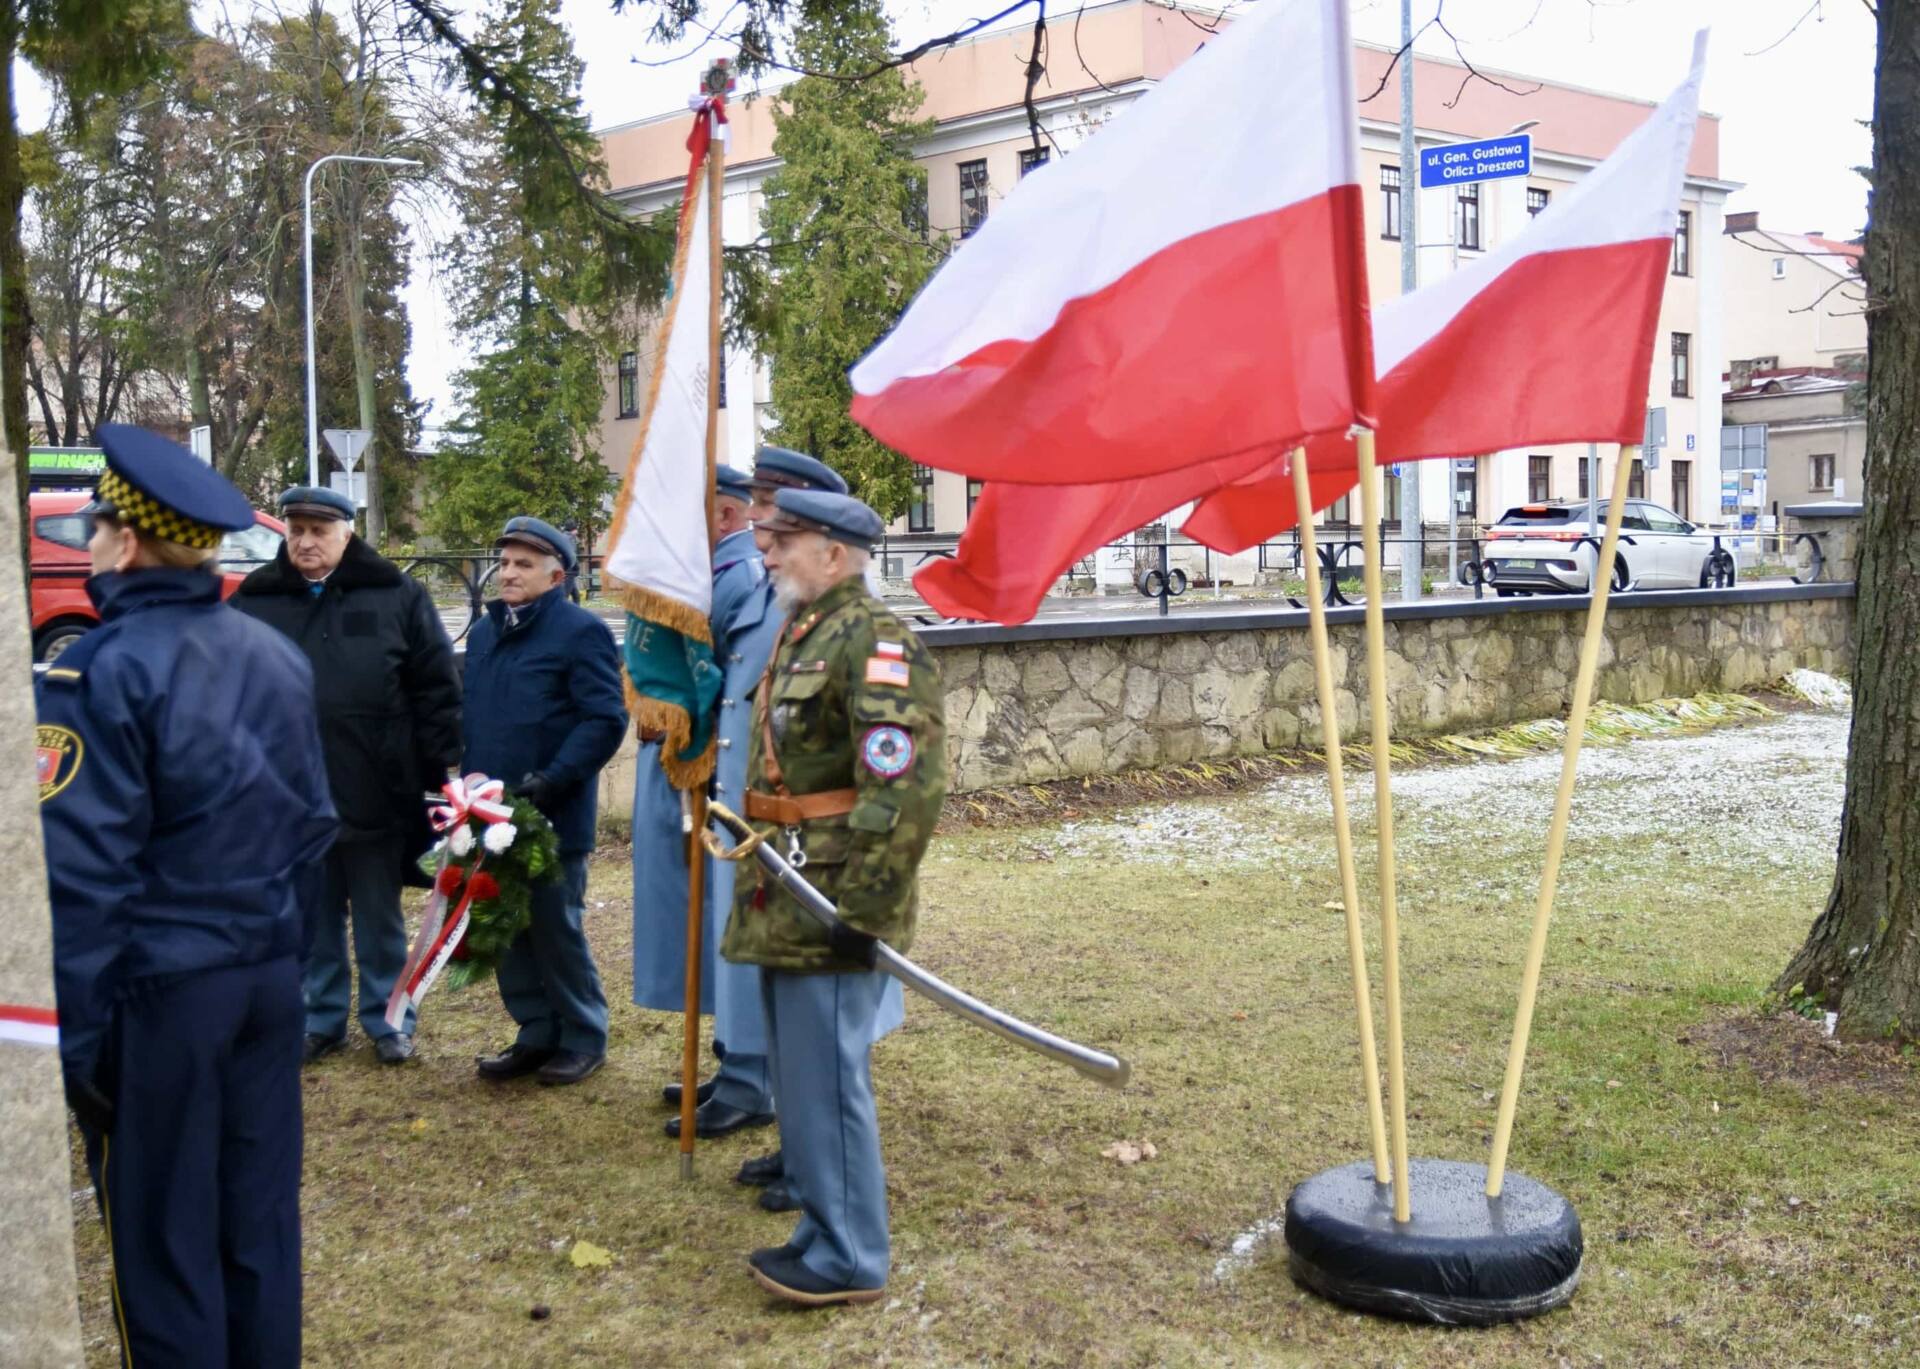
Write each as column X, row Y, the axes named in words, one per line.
column 61, row 609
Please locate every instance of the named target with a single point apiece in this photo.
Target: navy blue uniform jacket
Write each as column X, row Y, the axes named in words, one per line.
column 182, row 794
column 544, row 697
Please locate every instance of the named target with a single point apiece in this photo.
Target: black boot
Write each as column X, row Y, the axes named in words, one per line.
column 764, row 1170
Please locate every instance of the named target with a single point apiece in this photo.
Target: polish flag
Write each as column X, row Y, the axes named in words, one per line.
column 29, row 1026
column 1549, row 339
column 1188, row 287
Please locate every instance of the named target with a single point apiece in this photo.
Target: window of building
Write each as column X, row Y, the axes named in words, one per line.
column 1031, row 157
column 629, row 385
column 1584, row 466
column 1637, row 480
column 1466, row 217
column 1682, row 376
column 1683, row 245
column 1779, row 268
column 1820, row 471
column 1466, row 491
column 1390, row 505
column 973, row 196
column 1390, row 202
column 1340, row 512
column 1537, row 200
column 973, row 494
column 1683, row 488
column 920, row 511
column 1539, row 479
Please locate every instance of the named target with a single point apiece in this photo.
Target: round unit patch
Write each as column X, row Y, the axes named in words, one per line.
column 56, row 759
column 887, row 751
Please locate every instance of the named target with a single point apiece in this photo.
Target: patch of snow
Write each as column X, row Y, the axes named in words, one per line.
column 1766, row 794
column 1821, row 690
column 1831, row 1022
column 1245, row 1246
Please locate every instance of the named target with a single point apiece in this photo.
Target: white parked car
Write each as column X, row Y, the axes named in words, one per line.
column 1543, row 549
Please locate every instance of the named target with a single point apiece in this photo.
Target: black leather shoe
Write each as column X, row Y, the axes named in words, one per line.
column 773, row 1252
column 394, row 1050
column 761, row 1171
column 569, row 1067
column 512, row 1062
column 777, row 1197
column 715, row 1118
column 319, row 1047
column 700, row 1095
column 786, row 1277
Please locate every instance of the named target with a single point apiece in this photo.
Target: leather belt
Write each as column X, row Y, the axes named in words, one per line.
column 790, row 810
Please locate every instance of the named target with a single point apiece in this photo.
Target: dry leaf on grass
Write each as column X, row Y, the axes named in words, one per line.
column 587, row 1255
column 1130, row 1152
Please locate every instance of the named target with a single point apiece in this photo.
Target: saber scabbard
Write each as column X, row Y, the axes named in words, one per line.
column 1107, row 1069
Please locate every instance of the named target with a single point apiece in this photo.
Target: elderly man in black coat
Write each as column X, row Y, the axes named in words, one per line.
column 388, row 694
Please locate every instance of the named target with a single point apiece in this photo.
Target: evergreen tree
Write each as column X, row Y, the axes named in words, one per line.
column 530, row 284
column 847, row 221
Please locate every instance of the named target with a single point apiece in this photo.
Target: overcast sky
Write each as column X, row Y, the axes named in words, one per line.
column 1791, row 99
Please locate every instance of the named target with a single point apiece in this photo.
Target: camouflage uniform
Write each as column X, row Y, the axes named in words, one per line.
column 852, row 702
column 852, row 706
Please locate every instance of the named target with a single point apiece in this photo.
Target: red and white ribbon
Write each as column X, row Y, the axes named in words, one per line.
column 470, row 796
column 29, row 1026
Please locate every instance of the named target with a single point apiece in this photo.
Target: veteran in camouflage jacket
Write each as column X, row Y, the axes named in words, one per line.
column 847, row 754
column 851, row 701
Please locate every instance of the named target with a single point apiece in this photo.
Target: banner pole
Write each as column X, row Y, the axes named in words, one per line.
column 1601, row 582
column 697, row 805
column 1342, row 832
column 1383, row 803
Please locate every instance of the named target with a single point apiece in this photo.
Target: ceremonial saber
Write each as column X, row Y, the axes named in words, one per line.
column 1107, row 1069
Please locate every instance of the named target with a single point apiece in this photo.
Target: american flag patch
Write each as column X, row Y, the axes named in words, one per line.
column 884, row 671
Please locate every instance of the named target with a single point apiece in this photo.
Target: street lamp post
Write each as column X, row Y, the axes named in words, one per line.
column 306, row 226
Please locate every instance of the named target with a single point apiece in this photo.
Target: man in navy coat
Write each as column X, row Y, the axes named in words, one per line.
column 544, row 713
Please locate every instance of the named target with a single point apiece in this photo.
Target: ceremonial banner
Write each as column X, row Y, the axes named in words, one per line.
column 658, row 555
column 1188, row 287
column 1548, row 339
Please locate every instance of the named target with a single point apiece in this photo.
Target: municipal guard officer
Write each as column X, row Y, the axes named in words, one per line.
column 184, row 799
column 848, row 763
column 544, row 713
column 387, row 693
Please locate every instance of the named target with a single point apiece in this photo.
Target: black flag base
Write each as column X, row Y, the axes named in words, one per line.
column 1463, row 1260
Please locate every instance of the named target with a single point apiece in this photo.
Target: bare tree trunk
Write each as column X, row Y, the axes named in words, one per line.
column 39, row 1313
column 1862, row 957
column 16, row 324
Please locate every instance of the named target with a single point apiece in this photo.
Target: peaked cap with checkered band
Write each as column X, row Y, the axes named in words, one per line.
column 165, row 490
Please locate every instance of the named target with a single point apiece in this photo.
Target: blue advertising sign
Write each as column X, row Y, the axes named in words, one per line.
column 1489, row 159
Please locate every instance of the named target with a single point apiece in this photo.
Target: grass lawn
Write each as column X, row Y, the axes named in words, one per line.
column 1750, row 1192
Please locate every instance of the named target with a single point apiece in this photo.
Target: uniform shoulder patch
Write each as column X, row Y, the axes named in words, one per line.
column 888, row 670
column 57, row 753
column 887, row 751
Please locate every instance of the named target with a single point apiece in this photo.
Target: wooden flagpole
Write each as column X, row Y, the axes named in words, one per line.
column 1601, row 584
column 697, row 797
column 1342, row 832
column 1383, row 803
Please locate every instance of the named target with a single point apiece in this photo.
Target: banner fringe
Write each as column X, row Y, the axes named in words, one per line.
column 654, row 715
column 654, row 607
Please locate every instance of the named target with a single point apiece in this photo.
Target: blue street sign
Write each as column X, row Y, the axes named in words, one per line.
column 1489, row 159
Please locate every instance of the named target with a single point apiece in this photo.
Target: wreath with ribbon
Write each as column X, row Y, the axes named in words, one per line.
column 493, row 848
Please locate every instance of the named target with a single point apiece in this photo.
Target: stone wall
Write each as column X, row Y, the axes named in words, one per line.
column 1052, row 700
column 1025, row 704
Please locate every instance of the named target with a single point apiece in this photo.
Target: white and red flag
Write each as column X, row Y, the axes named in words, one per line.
column 1188, row 287
column 1548, row 339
